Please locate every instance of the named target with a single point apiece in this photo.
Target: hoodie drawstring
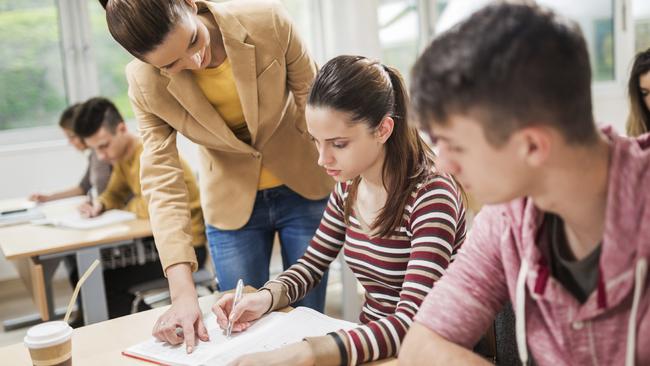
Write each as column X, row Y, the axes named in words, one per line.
column 639, row 283
column 520, row 312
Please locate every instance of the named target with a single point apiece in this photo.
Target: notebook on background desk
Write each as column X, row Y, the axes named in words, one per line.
column 76, row 221
column 270, row 332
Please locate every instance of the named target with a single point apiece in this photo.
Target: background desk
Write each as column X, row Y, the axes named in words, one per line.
column 102, row 343
column 45, row 246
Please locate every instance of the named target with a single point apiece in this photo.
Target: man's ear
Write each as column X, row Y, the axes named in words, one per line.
column 385, row 129
column 121, row 127
column 534, row 145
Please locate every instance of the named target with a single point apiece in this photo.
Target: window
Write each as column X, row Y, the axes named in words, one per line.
column 596, row 20
column 399, row 33
column 641, row 15
column 301, row 14
column 31, row 73
column 111, row 59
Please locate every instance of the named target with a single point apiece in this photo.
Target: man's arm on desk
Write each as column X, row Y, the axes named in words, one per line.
column 184, row 312
column 424, row 347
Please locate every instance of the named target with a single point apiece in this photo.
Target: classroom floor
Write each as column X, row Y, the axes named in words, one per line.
column 15, row 300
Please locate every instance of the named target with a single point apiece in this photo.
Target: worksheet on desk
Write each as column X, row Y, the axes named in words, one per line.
column 74, row 220
column 271, row 332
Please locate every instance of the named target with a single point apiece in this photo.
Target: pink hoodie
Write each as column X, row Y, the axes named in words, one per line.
column 500, row 261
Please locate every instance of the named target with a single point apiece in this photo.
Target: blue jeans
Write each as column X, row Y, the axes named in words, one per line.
column 246, row 253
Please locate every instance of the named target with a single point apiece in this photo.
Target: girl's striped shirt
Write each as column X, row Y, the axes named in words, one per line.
column 396, row 271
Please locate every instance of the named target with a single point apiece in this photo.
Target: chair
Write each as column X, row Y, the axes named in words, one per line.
column 151, row 292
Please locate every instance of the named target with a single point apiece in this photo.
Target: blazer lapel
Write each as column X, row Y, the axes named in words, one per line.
column 183, row 87
column 242, row 59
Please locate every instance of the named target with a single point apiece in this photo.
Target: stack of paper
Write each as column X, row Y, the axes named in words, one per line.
column 272, row 331
column 20, row 216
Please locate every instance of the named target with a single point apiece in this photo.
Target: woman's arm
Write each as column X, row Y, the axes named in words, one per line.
column 164, row 190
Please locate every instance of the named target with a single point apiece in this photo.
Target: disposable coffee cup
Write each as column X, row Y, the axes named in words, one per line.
column 50, row 344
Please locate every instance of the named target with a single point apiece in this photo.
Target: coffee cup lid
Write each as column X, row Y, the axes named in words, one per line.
column 48, row 334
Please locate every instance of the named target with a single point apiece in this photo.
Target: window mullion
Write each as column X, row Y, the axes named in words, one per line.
column 80, row 73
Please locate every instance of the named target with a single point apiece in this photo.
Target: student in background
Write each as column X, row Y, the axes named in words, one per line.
column 638, row 90
column 97, row 172
column 507, row 97
column 94, row 181
column 397, row 220
column 233, row 78
column 102, row 128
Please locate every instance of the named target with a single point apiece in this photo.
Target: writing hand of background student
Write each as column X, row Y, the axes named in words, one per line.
column 298, row 354
column 39, row 197
column 250, row 307
column 91, row 210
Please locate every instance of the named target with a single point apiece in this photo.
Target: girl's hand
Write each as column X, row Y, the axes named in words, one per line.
column 250, row 307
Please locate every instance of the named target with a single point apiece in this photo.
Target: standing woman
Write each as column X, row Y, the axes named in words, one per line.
column 638, row 88
column 397, row 220
column 233, row 78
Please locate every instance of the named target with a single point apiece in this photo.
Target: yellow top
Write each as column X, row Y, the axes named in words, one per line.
column 218, row 85
column 124, row 192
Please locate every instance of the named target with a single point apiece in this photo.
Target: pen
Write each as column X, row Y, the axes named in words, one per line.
column 90, row 194
column 239, row 291
column 11, row 212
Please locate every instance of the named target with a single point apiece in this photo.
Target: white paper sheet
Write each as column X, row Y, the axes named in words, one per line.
column 272, row 331
column 76, row 221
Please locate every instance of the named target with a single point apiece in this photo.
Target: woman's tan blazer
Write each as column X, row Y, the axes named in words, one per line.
column 273, row 73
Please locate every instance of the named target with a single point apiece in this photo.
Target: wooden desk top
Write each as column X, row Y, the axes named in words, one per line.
column 20, row 241
column 102, row 343
column 29, row 240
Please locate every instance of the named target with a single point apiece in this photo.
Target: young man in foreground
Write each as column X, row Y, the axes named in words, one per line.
column 507, row 97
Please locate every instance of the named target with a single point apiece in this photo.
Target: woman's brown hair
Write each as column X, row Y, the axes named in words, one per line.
column 638, row 122
column 369, row 91
column 141, row 25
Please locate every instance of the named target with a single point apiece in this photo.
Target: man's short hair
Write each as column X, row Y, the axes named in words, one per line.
column 509, row 66
column 66, row 120
column 94, row 114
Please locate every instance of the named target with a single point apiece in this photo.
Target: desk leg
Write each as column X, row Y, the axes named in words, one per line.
column 49, row 267
column 93, row 294
column 37, row 289
column 41, row 272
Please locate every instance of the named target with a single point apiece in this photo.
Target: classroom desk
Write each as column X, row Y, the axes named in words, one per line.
column 102, row 343
column 45, row 246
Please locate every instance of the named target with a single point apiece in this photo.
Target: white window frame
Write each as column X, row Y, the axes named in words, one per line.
column 79, row 76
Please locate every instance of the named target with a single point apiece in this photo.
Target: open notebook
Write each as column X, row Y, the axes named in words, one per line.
column 270, row 332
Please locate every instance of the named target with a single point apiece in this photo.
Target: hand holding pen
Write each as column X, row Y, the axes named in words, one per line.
column 241, row 313
column 92, row 207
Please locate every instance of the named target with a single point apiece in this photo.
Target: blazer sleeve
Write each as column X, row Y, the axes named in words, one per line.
column 163, row 185
column 301, row 68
